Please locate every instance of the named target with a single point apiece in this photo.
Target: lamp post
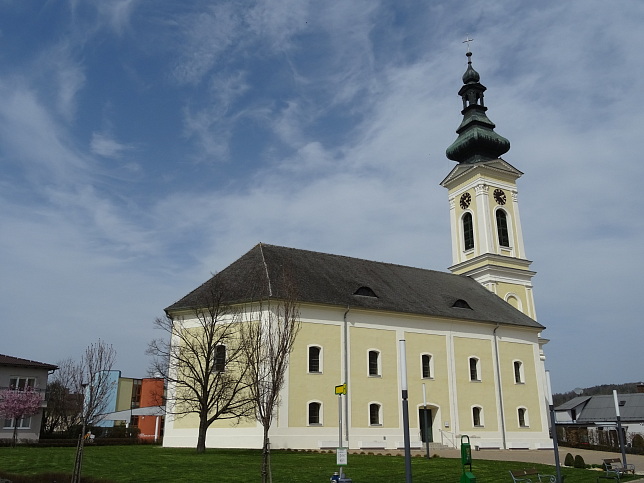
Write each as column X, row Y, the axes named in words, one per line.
column 402, row 363
column 619, row 429
column 553, row 423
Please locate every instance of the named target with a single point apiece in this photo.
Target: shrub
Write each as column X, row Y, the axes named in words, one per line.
column 579, row 462
column 569, row 460
column 638, row 441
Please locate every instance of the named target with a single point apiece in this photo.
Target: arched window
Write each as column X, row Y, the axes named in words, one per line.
column 314, row 359
column 518, row 372
column 502, row 228
column 475, row 369
column 426, row 366
column 374, row 414
column 314, row 414
column 477, row 416
column 522, row 414
column 468, row 231
column 374, row 363
column 220, row 358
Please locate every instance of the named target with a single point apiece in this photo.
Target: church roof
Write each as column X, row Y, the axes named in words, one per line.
column 266, row 271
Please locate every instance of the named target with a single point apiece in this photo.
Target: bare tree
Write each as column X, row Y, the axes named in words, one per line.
column 268, row 343
column 64, row 398
column 201, row 357
column 93, row 379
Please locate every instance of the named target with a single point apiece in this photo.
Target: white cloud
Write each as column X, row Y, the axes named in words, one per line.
column 104, row 145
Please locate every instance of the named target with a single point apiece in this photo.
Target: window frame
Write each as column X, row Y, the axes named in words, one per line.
column 378, row 407
column 477, row 414
column 502, row 228
column 517, row 368
column 378, row 363
column 467, row 224
column 309, row 406
column 14, row 382
column 522, row 417
column 22, row 424
column 429, row 366
column 319, row 359
column 219, row 365
column 476, row 370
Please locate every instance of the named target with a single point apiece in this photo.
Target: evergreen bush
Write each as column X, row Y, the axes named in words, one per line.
column 569, row 460
column 579, row 462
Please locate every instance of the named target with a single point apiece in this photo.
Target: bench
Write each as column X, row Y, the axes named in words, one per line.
column 615, row 468
column 527, row 476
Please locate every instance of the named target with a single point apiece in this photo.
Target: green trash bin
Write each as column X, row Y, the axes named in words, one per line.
column 468, row 477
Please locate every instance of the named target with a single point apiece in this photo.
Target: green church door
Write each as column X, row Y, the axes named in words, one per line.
column 425, row 432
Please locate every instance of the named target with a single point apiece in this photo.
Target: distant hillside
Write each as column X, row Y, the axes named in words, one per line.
column 604, row 389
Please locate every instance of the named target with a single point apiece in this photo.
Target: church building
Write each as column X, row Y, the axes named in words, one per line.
column 474, row 351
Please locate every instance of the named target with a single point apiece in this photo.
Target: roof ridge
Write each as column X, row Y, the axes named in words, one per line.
column 352, row 258
column 268, row 277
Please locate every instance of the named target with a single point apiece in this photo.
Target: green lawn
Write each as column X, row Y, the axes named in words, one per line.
column 155, row 464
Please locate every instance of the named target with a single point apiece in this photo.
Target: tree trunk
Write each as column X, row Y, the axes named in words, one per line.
column 15, row 432
column 265, row 456
column 201, row 440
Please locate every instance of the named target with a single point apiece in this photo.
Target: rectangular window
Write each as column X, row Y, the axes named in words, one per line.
column 426, row 369
column 518, row 372
column 23, row 423
column 314, row 359
column 476, row 416
column 21, row 383
column 474, row 369
column 314, row 413
column 136, row 393
column 374, row 414
column 220, row 358
column 374, row 363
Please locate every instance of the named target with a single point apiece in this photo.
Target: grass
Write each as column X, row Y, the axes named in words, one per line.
column 142, row 464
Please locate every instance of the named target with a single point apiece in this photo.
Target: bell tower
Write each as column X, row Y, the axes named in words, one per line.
column 487, row 241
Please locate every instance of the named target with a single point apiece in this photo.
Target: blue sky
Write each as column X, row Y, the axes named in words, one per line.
column 145, row 145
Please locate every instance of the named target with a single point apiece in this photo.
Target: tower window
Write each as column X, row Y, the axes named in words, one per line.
column 522, row 413
column 468, row 231
column 502, row 228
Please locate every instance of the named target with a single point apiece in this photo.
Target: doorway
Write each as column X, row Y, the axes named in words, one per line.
column 425, row 415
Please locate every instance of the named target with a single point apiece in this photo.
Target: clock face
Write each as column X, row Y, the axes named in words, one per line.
column 499, row 196
column 466, row 199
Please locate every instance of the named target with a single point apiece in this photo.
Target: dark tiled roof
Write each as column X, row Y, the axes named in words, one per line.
column 602, row 408
column 18, row 362
column 319, row 278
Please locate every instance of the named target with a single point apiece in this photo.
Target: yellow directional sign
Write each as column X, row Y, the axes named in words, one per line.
column 341, row 389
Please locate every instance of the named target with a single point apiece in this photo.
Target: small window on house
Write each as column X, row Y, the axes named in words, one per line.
column 518, row 372
column 365, row 292
column 314, row 359
column 374, row 363
column 477, row 416
column 22, row 383
column 220, row 358
column 475, row 372
column 23, row 423
column 374, row 414
column 502, row 228
column 468, row 231
column 461, row 304
column 522, row 414
column 314, row 414
column 426, row 366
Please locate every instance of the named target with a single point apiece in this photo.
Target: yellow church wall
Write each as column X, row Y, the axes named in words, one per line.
column 525, row 394
column 365, row 389
column 305, row 387
column 475, row 393
column 437, row 387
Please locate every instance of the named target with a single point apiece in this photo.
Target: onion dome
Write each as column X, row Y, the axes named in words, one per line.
column 476, row 141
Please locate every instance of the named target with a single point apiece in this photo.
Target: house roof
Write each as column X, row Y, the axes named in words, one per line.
column 18, row 362
column 602, row 408
column 266, row 271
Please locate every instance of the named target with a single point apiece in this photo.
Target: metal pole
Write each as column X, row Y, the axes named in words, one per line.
column 426, row 422
column 619, row 429
column 346, row 374
column 340, row 427
column 553, row 426
column 402, row 362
